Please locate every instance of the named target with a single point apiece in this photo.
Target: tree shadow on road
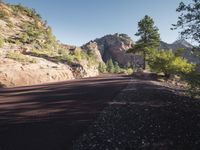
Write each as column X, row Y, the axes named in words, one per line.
column 51, row 116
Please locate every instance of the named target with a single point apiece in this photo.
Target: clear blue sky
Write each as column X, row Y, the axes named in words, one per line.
column 79, row 21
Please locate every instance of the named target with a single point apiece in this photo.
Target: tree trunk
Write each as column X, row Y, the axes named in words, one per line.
column 144, row 59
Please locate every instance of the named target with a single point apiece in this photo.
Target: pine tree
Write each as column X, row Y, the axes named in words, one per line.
column 102, row 67
column 110, row 66
column 149, row 37
column 189, row 20
column 117, row 68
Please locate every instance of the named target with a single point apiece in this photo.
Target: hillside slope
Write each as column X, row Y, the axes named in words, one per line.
column 30, row 54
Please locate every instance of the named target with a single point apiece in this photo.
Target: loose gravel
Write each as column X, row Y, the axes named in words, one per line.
column 145, row 116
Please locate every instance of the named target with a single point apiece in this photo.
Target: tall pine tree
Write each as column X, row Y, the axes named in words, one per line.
column 149, row 38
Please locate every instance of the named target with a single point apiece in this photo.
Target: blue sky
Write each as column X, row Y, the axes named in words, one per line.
column 79, row 21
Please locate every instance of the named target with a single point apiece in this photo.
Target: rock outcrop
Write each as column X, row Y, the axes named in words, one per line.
column 115, row 47
column 13, row 73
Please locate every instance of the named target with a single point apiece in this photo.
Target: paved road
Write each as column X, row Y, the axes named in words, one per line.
column 52, row 116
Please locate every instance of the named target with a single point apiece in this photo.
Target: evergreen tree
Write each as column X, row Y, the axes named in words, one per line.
column 102, row 67
column 110, row 66
column 149, row 37
column 117, row 68
column 189, row 20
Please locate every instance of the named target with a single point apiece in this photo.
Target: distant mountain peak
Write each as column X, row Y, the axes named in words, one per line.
column 183, row 42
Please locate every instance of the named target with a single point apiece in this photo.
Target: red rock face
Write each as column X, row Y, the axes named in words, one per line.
column 115, row 47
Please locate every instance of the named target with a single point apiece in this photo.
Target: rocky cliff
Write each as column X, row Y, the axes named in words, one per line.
column 115, row 47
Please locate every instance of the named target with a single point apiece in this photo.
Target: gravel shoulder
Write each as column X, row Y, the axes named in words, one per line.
column 146, row 115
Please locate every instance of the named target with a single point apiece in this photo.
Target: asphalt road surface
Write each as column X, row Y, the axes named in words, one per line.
column 52, row 116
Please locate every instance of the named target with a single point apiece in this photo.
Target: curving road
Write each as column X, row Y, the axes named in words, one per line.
column 52, row 116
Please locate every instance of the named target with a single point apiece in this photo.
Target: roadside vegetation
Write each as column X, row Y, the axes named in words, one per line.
column 38, row 35
column 188, row 23
column 111, row 67
column 20, row 57
column 166, row 61
column 65, row 56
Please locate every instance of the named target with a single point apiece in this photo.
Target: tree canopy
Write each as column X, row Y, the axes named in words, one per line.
column 149, row 37
column 189, row 20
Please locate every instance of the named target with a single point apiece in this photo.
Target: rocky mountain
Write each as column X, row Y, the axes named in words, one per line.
column 175, row 45
column 182, row 43
column 115, row 47
column 189, row 53
column 30, row 54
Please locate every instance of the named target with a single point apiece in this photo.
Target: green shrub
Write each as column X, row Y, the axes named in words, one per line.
column 20, row 57
column 53, row 55
column 78, row 56
column 117, row 68
column 180, row 65
column 129, row 71
column 32, row 34
column 168, row 63
column 102, row 68
column 91, row 57
column 43, row 53
column 25, row 10
column 66, row 58
column 24, row 38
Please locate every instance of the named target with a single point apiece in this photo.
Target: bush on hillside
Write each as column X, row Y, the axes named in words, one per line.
column 129, row 71
column 69, row 59
column 91, row 57
column 78, row 56
column 43, row 53
column 102, row 68
column 110, row 66
column 117, row 69
column 25, row 10
column 20, row 57
column 168, row 63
